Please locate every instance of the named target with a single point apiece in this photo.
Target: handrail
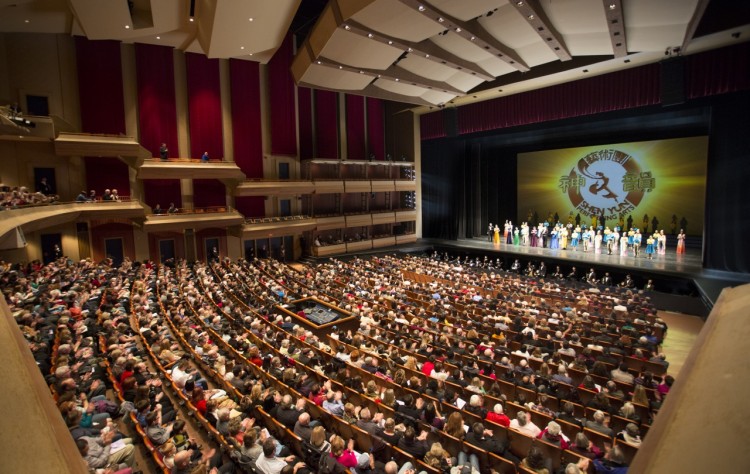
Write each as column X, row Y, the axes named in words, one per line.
column 57, row 203
column 156, row 159
column 195, row 210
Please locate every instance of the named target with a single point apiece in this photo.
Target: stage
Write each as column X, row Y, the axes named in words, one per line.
column 680, row 281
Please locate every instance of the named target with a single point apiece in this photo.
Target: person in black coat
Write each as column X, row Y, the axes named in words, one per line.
column 483, row 439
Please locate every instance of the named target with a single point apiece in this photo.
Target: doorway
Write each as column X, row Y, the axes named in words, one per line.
column 113, row 248
column 51, row 245
column 166, row 250
column 211, row 248
column 49, row 175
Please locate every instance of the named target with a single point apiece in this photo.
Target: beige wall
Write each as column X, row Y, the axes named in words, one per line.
column 19, row 158
column 42, row 64
column 33, row 250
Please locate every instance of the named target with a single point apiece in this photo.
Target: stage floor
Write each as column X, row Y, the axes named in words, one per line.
column 688, row 263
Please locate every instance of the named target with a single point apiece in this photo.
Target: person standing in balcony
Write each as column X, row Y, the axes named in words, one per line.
column 205, row 158
column 164, row 152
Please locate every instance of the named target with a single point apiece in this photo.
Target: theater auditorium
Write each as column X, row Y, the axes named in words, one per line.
column 374, row 236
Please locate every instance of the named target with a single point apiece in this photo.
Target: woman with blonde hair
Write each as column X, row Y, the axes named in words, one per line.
column 389, row 398
column 639, row 396
column 318, row 440
column 411, row 363
column 438, row 458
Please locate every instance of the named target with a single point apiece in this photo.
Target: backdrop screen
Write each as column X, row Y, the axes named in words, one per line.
column 660, row 182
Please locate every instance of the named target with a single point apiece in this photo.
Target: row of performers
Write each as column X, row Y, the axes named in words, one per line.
column 560, row 237
column 590, row 277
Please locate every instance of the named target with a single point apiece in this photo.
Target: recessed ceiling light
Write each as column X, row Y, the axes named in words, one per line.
column 361, row 72
column 319, row 62
column 192, row 19
column 25, row 21
column 520, row 4
column 426, row 55
column 397, row 79
column 441, row 19
column 473, row 38
column 390, row 42
column 158, row 37
column 458, row 30
column 242, row 47
column 370, row 35
column 127, row 27
column 378, row 75
column 612, row 6
column 421, row 8
column 410, row 50
column 531, row 17
column 347, row 27
column 250, row 19
column 251, row 54
column 341, row 67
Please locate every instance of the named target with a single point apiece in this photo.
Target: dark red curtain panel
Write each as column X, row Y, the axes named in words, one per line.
column 208, row 192
column 100, row 86
column 204, row 106
column 355, row 127
column 106, row 173
column 157, row 110
column 244, row 78
column 375, row 128
column 251, row 206
column 718, row 71
column 281, row 90
column 432, row 125
column 162, row 192
column 326, row 125
column 616, row 91
column 304, row 103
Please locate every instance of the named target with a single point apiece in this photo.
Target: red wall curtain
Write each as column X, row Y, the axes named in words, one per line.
column 616, row 91
column 102, row 109
column 162, row 192
column 375, row 128
column 326, row 125
column 244, row 78
column 355, row 127
column 100, row 86
column 250, row 206
column 718, row 71
column 281, row 90
column 432, row 125
column 157, row 110
column 204, row 106
column 107, row 173
column 304, row 101
column 209, row 192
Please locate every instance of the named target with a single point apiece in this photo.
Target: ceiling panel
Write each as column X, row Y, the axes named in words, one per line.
column 466, row 10
column 509, row 27
column 399, row 88
column 437, row 97
column 576, row 16
column 537, row 53
column 426, row 68
column 495, row 66
column 355, row 50
column 460, row 47
column 395, row 19
column 331, row 78
column 588, row 44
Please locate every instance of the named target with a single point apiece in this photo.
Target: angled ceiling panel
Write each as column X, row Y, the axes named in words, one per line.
column 395, row 19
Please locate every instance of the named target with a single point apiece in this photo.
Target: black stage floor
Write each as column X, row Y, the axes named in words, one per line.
column 681, row 282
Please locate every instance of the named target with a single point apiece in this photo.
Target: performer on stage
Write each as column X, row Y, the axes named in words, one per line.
column 631, row 233
column 506, row 230
column 574, row 238
column 516, row 236
column 637, row 237
column 650, row 248
column 588, row 235
column 662, row 247
column 532, row 235
column 489, row 231
column 544, row 236
column 525, row 233
column 624, row 244
column 610, row 239
column 496, row 237
column 615, row 238
column 554, row 245
column 681, row 242
column 509, row 233
column 564, row 238
column 598, row 242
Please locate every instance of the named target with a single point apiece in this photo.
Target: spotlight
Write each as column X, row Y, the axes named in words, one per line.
column 421, row 8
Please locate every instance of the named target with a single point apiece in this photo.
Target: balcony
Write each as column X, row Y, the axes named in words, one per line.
column 277, row 226
column 199, row 218
column 274, row 187
column 86, row 144
column 184, row 168
column 32, row 218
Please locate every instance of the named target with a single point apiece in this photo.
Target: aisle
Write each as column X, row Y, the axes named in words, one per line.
column 681, row 336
